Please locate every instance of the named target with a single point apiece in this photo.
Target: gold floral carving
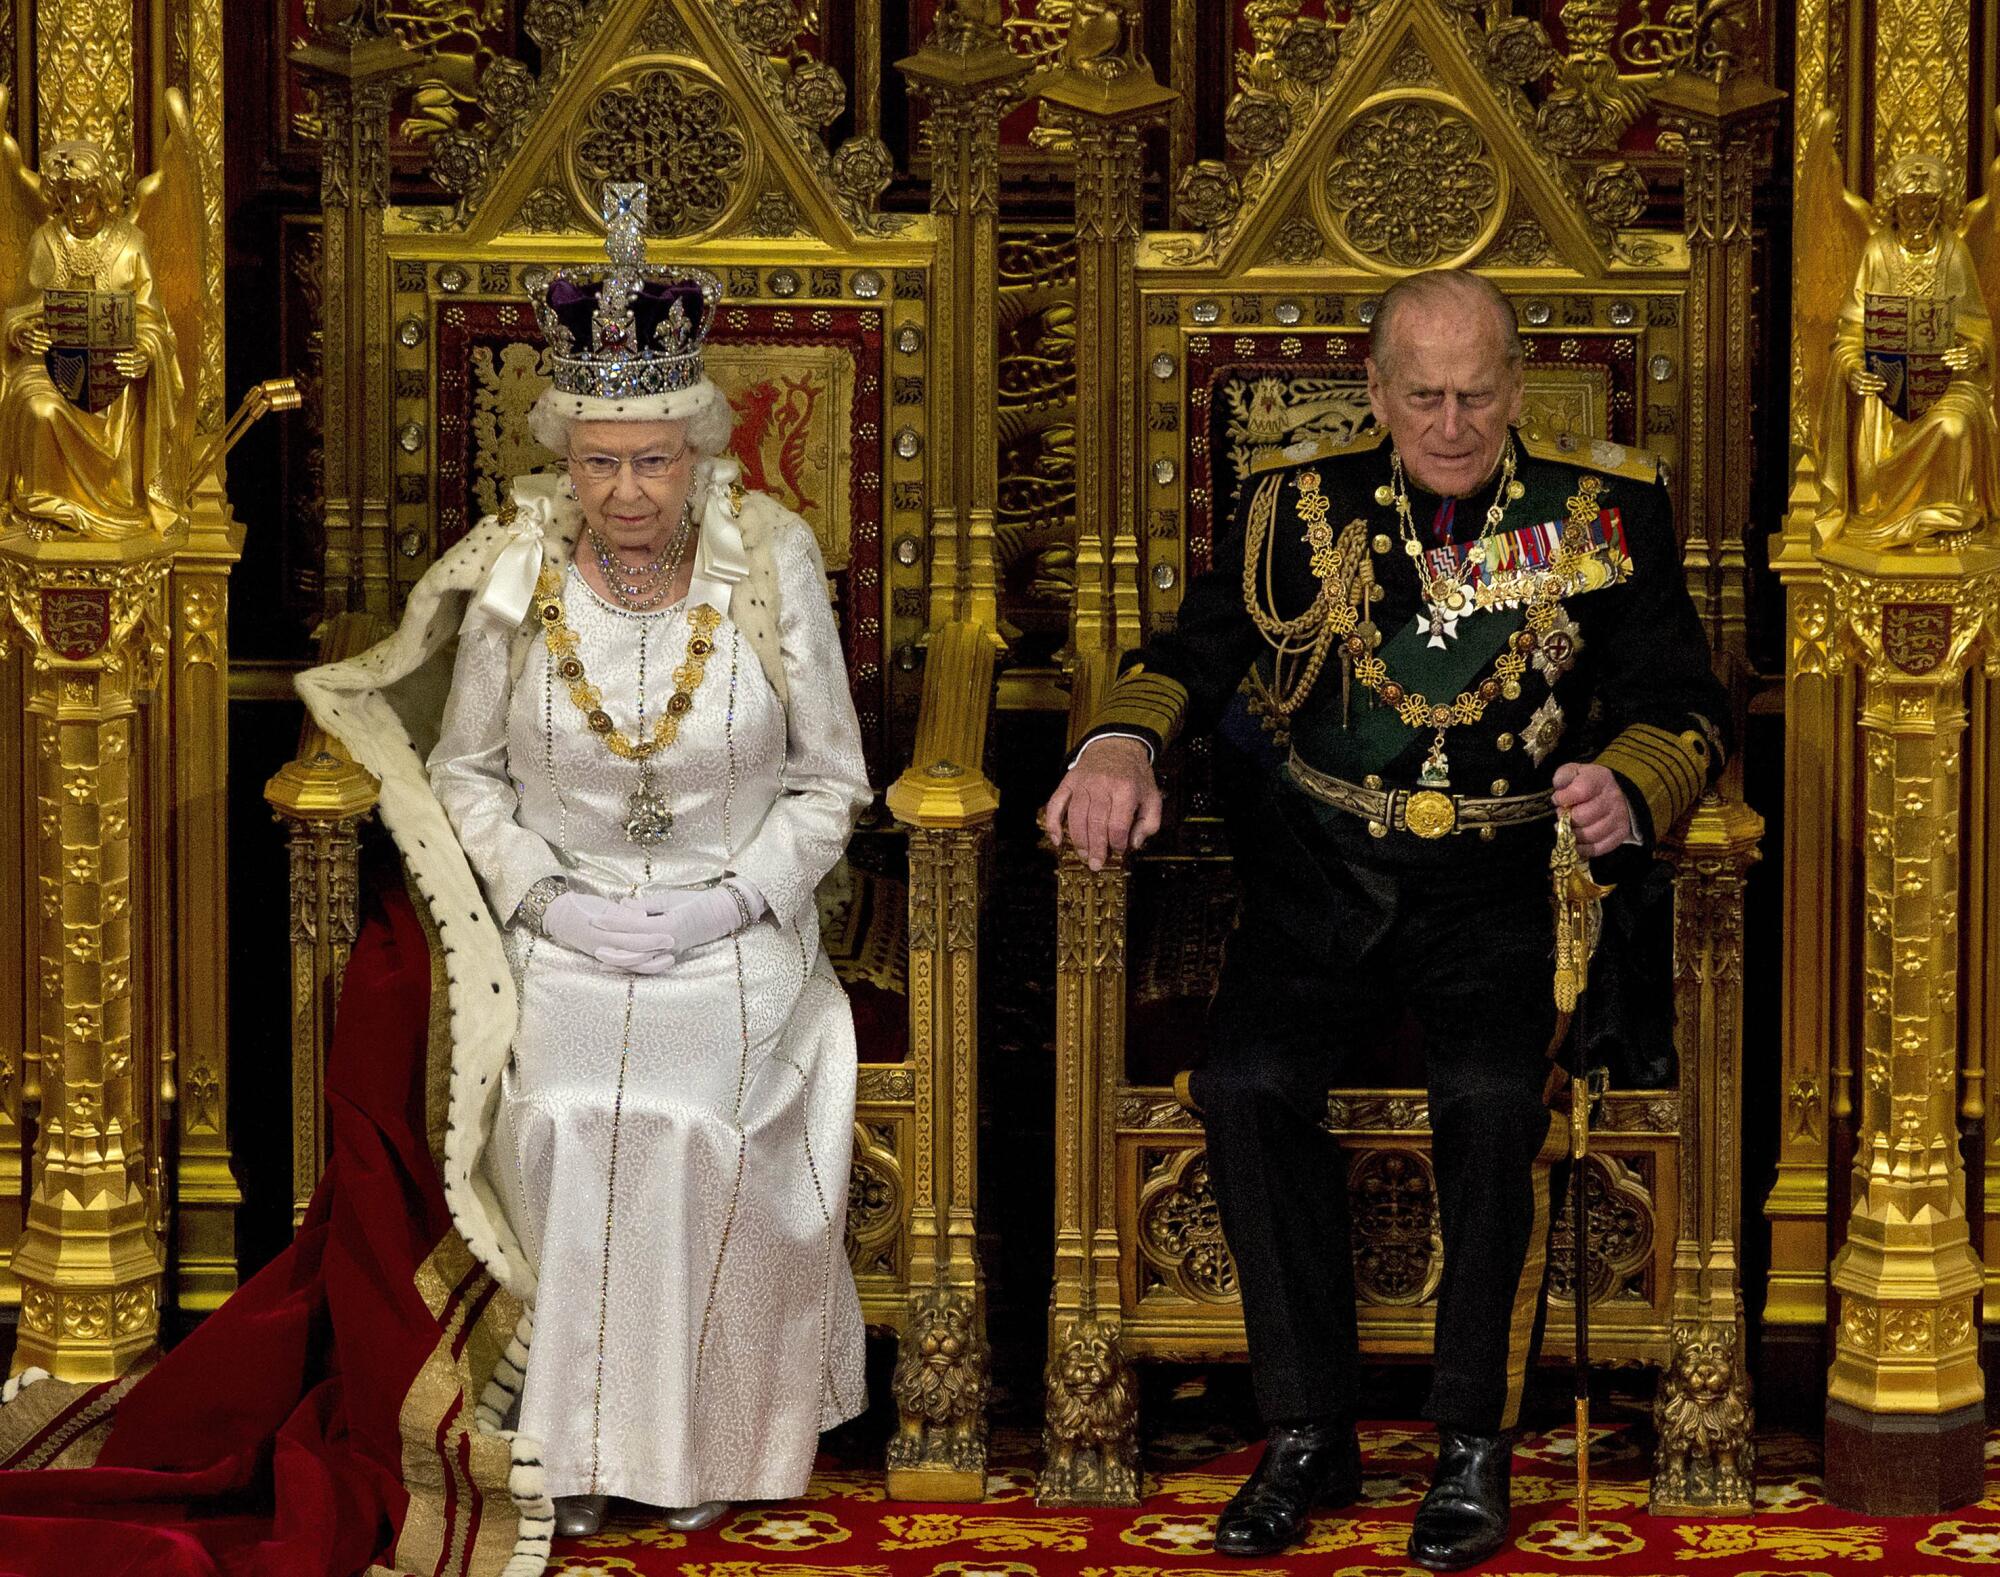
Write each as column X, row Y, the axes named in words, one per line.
column 1398, row 1244
column 673, row 129
column 1035, row 514
column 1908, row 1332
column 664, row 33
column 877, row 1203
column 1620, row 1248
column 1803, row 1105
column 1411, row 67
column 203, row 1093
column 884, row 1085
column 1180, row 1230
column 1413, row 184
column 204, row 56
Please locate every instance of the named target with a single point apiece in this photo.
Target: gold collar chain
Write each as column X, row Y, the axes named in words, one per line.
column 590, row 701
column 1418, row 710
column 1446, row 594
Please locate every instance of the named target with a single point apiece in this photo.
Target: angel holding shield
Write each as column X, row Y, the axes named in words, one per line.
column 95, row 408
column 1899, row 347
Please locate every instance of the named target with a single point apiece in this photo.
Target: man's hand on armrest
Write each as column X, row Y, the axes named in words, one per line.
column 1107, row 800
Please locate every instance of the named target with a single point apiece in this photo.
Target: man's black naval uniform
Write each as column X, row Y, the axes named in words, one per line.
column 1357, row 906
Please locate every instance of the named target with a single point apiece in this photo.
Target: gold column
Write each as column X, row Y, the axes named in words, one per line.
column 1704, row 1462
column 1819, row 798
column 970, row 79
column 1090, row 1439
column 1905, row 1399
column 357, row 72
column 947, row 805
column 868, row 68
column 197, row 955
column 1106, row 102
column 197, row 961
column 19, row 1064
column 92, row 616
column 1816, row 1076
column 1726, row 125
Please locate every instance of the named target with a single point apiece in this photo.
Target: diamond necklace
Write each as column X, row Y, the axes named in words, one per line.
column 640, row 588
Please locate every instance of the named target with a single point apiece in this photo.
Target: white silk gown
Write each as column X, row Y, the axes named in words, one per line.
column 674, row 1149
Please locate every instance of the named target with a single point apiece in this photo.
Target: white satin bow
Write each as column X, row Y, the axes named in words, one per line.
column 719, row 557
column 509, row 591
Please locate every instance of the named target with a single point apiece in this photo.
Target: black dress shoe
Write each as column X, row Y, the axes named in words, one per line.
column 1304, row 1465
column 1464, row 1517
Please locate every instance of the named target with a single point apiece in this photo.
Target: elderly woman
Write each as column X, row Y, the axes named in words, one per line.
column 649, row 758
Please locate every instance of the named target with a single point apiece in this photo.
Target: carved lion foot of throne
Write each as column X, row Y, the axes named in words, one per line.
column 940, row 1385
column 1703, row 1417
column 1090, row 1437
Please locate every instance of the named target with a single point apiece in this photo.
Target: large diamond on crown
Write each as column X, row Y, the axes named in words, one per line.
column 630, row 327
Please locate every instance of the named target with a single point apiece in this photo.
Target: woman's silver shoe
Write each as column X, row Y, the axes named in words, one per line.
column 578, row 1516
column 692, row 1519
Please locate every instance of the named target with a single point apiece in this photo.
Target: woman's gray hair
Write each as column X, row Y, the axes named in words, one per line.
column 703, row 406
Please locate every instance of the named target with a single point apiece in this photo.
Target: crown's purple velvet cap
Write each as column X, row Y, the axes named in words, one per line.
column 575, row 306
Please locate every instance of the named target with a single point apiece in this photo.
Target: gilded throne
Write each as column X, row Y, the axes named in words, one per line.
column 1250, row 329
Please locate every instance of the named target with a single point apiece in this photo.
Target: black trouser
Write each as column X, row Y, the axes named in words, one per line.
column 1472, row 958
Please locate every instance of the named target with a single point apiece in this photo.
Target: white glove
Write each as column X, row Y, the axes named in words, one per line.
column 615, row 932
column 694, row 919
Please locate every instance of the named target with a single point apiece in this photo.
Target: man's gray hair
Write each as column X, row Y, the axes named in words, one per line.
column 1434, row 287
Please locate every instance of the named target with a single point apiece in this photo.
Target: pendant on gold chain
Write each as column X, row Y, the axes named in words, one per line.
column 648, row 819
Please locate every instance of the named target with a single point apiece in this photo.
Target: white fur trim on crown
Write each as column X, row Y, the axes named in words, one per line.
column 672, row 406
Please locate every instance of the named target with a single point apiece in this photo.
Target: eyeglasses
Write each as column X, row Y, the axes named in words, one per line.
column 605, row 467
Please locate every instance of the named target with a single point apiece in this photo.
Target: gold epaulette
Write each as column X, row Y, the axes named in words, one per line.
column 1595, row 454
column 1323, row 448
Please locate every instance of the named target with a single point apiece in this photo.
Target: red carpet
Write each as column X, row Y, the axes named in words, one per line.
column 844, row 1526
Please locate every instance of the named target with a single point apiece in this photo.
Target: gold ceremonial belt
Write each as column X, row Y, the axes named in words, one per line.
column 1428, row 813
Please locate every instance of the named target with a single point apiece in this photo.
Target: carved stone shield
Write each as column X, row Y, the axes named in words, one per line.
column 76, row 620
column 1916, row 636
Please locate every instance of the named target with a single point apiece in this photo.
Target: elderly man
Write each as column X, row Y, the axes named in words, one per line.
column 1441, row 631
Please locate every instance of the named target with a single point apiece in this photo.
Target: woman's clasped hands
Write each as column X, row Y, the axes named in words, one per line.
column 620, row 933
column 644, row 935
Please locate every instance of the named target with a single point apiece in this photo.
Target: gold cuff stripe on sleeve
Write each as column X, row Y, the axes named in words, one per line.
column 1144, row 700
column 1674, row 766
column 1666, row 770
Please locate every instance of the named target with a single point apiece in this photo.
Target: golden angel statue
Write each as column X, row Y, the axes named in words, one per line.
column 1898, row 346
column 96, row 401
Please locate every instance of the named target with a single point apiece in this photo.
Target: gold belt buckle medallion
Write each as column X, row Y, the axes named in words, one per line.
column 1429, row 814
